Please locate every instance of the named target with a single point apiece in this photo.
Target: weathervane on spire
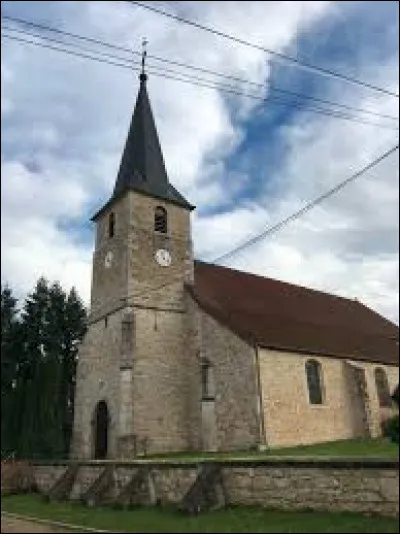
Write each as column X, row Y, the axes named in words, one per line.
column 143, row 75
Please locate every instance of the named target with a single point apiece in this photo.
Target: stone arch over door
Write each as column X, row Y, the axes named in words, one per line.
column 101, row 426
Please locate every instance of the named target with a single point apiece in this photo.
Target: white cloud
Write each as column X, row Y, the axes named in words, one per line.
column 34, row 247
column 67, row 121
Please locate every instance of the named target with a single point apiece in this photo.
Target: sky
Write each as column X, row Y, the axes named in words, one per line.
column 245, row 163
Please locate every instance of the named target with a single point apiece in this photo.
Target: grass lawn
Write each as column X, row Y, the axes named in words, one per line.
column 363, row 448
column 238, row 519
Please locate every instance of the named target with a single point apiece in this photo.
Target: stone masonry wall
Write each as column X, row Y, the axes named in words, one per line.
column 164, row 363
column 289, row 417
column 356, row 486
column 235, row 385
column 150, row 284
column 164, row 368
column 46, row 476
column 98, row 378
column 146, row 380
column 342, row 487
column 84, row 479
column 109, row 284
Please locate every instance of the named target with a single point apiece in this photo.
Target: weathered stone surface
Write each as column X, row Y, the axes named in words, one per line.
column 47, row 476
column 366, row 489
column 206, row 493
column 103, row 486
column 63, row 485
column 85, row 478
column 290, row 419
column 236, row 403
column 138, row 354
column 173, row 483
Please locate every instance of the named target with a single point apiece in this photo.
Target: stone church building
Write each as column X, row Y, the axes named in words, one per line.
column 185, row 355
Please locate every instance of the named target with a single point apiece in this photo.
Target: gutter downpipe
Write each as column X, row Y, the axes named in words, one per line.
column 263, row 436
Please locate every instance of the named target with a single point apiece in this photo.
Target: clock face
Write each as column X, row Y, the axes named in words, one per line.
column 108, row 259
column 163, row 257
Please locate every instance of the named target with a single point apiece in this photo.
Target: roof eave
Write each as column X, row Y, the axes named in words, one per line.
column 185, row 204
column 327, row 354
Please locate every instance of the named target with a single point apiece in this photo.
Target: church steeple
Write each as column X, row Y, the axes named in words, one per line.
column 142, row 166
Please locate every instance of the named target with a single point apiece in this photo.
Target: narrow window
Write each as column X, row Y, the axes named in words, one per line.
column 160, row 220
column 382, row 388
column 314, row 379
column 207, row 381
column 106, row 321
column 126, row 335
column 111, row 225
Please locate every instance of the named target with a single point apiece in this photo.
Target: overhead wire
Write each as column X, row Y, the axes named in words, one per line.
column 128, row 50
column 269, row 230
column 291, row 59
column 272, row 88
column 274, row 228
column 310, row 205
column 193, row 80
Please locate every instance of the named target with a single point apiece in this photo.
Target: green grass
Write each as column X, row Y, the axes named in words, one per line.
column 239, row 519
column 363, row 448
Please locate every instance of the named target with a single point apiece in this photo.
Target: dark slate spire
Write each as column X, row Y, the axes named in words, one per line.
column 142, row 165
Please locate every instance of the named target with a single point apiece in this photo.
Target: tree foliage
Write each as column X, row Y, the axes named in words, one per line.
column 391, row 426
column 39, row 349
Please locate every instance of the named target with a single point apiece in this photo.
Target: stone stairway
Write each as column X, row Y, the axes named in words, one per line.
column 206, row 493
column 63, row 485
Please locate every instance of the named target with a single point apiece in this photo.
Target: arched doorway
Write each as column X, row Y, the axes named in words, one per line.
column 101, row 420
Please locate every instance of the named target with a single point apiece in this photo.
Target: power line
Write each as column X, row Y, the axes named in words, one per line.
column 66, row 51
column 297, row 62
column 97, row 53
column 273, row 229
column 338, row 104
column 199, row 81
column 163, row 69
column 189, row 80
column 270, row 230
column 185, row 65
column 129, row 50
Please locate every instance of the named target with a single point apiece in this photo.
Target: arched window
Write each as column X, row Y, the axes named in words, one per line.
column 314, row 381
column 382, row 388
column 207, row 380
column 111, row 225
column 160, row 220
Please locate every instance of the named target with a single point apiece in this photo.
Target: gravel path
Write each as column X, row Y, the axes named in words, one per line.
column 11, row 525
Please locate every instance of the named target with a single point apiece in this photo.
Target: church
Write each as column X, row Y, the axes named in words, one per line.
column 184, row 355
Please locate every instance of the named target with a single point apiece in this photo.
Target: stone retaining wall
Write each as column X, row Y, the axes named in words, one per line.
column 335, row 485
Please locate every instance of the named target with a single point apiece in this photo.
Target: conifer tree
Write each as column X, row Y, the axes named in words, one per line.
column 10, row 356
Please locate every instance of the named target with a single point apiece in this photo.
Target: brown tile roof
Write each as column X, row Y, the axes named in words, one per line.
column 284, row 316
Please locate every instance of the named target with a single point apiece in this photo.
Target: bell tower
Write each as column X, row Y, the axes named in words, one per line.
column 135, row 358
